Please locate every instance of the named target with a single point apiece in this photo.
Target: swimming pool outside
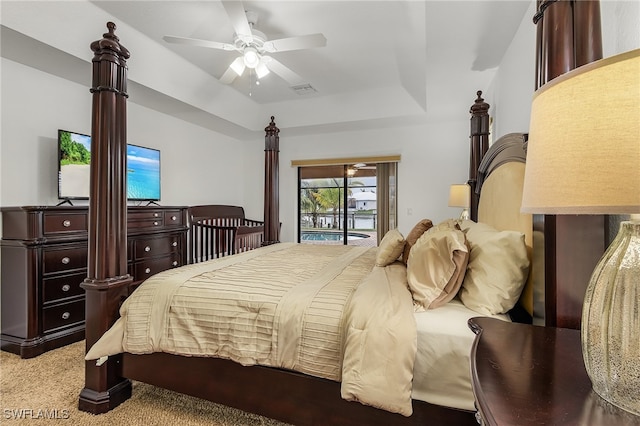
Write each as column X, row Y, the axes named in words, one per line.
column 354, row 238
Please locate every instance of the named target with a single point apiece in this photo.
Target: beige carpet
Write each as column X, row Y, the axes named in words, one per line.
column 51, row 383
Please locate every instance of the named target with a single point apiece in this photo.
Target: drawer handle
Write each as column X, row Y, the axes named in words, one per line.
column 147, row 248
column 66, row 316
column 174, row 244
column 155, row 223
column 66, row 223
column 174, row 218
column 146, row 271
column 65, row 260
column 175, row 263
column 156, row 215
column 66, row 287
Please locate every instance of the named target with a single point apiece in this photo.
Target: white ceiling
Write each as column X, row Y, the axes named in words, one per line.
column 386, row 63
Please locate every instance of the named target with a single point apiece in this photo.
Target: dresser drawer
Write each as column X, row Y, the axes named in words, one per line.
column 144, row 223
column 145, row 219
column 173, row 218
column 150, row 247
column 64, row 259
column 59, row 223
column 62, row 287
column 143, row 270
column 62, row 315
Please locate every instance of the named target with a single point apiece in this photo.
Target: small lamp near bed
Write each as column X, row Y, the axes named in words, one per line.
column 460, row 196
column 584, row 158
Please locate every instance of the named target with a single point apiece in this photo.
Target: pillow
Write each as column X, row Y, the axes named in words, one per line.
column 413, row 236
column 436, row 266
column 448, row 224
column 390, row 248
column 497, row 271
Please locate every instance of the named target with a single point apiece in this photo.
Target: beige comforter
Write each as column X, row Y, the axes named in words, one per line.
column 326, row 311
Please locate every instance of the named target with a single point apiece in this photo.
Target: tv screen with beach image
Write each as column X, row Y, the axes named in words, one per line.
column 74, row 151
column 74, row 172
column 143, row 173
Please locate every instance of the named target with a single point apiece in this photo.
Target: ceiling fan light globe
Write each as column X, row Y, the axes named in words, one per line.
column 251, row 57
column 261, row 70
column 238, row 66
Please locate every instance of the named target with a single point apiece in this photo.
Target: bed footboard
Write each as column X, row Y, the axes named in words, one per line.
column 220, row 230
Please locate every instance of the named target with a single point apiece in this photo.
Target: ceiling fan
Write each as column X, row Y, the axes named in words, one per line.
column 254, row 47
column 355, row 168
column 364, row 166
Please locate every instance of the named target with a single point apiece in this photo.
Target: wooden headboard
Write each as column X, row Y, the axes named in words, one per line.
column 496, row 177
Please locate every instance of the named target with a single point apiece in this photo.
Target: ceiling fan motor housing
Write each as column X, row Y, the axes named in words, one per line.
column 255, row 40
column 254, row 47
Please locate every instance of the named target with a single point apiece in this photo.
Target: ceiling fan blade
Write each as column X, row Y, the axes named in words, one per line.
column 238, row 18
column 228, row 76
column 283, row 72
column 295, row 43
column 198, row 42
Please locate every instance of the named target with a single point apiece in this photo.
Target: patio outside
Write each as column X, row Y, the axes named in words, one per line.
column 338, row 198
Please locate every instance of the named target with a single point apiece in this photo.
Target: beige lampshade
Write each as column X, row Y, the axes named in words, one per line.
column 583, row 153
column 460, row 195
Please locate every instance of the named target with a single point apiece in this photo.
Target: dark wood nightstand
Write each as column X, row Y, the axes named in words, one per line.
column 529, row 375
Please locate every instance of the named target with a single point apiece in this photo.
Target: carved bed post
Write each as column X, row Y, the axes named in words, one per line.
column 271, row 184
column 479, row 140
column 568, row 36
column 107, row 278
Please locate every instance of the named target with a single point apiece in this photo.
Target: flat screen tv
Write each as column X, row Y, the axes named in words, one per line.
column 143, row 173
column 74, row 159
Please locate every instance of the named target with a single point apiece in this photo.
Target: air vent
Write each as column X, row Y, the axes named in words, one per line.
column 304, row 89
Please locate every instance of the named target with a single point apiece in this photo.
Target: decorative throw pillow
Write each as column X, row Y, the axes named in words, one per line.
column 497, row 271
column 413, row 236
column 390, row 248
column 436, row 266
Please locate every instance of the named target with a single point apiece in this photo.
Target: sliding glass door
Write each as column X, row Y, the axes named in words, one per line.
column 322, row 204
column 338, row 204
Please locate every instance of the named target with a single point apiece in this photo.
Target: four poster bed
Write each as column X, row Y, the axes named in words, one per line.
column 305, row 344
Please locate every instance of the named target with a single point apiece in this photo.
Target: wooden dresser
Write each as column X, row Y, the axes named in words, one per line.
column 44, row 261
column 530, row 375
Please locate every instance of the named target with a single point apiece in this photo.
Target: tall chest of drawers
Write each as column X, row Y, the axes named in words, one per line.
column 44, row 261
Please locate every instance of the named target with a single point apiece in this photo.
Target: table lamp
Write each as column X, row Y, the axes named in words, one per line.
column 460, row 196
column 584, row 158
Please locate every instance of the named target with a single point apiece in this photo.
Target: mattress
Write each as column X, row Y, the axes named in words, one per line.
column 442, row 372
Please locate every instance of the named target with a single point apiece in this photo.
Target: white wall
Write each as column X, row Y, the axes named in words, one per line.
column 198, row 166
column 620, row 26
column 514, row 83
column 433, row 156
